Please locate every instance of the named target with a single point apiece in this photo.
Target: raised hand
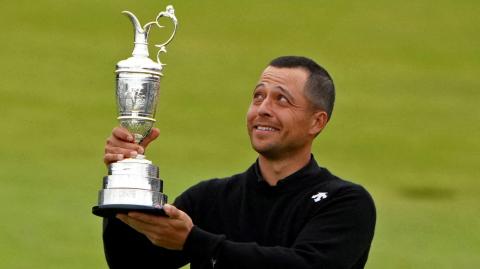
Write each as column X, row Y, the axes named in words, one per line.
column 121, row 145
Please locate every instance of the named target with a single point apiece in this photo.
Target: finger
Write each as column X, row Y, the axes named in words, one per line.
column 127, row 153
column 172, row 211
column 121, row 216
column 113, row 142
column 139, row 227
column 109, row 158
column 122, row 134
column 134, row 223
column 146, row 218
column 154, row 133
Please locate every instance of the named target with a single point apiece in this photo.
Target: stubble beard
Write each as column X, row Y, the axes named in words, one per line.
column 270, row 150
column 275, row 150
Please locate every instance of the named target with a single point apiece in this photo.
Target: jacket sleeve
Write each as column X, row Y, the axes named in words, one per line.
column 336, row 236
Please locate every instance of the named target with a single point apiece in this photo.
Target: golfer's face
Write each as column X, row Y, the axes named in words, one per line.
column 279, row 117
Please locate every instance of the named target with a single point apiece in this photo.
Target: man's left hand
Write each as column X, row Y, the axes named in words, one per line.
column 169, row 232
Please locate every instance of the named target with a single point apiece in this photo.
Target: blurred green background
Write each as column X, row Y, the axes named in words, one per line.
column 405, row 125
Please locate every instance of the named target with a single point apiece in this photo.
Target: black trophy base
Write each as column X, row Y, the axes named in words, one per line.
column 109, row 211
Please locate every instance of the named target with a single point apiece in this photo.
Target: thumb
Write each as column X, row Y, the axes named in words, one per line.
column 154, row 133
column 172, row 211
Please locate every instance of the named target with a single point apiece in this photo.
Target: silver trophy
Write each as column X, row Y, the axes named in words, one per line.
column 133, row 184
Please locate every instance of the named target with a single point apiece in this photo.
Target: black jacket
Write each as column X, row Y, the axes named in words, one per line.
column 310, row 219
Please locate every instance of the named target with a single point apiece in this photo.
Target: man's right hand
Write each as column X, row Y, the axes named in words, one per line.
column 121, row 145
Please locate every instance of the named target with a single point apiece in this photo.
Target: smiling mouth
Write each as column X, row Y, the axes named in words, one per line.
column 265, row 128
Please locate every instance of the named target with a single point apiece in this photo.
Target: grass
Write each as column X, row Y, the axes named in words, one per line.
column 406, row 122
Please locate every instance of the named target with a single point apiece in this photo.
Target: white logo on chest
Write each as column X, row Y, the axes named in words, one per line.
column 319, row 196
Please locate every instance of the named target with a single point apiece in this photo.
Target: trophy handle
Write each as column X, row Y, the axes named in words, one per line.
column 141, row 33
column 169, row 13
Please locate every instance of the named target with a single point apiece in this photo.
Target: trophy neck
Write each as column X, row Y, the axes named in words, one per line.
column 140, row 49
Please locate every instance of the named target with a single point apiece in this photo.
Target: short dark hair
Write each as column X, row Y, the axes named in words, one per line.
column 319, row 88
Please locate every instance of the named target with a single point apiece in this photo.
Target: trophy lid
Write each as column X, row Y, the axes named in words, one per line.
column 140, row 62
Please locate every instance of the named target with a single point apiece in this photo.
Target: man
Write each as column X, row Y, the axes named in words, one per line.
column 283, row 212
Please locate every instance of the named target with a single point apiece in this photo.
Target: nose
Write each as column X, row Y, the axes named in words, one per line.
column 265, row 108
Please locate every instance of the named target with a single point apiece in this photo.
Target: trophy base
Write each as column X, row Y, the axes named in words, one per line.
column 109, row 211
column 131, row 185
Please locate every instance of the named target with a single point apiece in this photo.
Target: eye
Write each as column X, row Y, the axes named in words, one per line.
column 284, row 100
column 258, row 97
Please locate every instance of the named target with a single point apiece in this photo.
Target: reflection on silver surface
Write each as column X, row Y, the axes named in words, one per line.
column 131, row 197
column 137, row 93
column 132, row 181
column 138, row 166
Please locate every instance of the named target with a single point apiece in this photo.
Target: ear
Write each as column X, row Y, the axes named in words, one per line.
column 319, row 121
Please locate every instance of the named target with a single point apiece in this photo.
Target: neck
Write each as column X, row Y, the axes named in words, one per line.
column 273, row 170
